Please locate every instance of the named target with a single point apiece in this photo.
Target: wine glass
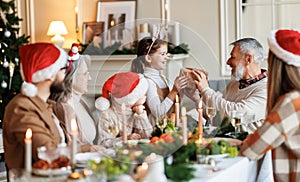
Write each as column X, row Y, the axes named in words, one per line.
column 161, row 123
column 48, row 154
column 210, row 110
column 114, row 130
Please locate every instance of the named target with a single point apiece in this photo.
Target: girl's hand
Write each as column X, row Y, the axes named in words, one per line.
column 139, row 109
column 181, row 82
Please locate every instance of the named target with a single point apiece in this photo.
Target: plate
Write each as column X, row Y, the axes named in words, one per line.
column 138, row 141
column 204, row 170
column 218, row 156
column 134, row 142
column 55, row 172
column 82, row 158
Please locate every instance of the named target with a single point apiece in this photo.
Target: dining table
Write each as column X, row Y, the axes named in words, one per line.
column 236, row 169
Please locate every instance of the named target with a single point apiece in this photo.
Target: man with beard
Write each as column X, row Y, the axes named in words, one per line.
column 43, row 68
column 247, row 91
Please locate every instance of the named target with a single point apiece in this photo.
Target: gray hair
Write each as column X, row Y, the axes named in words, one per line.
column 251, row 46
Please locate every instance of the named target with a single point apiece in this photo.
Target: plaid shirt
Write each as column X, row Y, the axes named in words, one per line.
column 250, row 81
column 281, row 134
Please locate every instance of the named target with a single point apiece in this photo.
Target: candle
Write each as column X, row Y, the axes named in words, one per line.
column 74, row 132
column 76, row 19
column 116, row 32
column 141, row 171
column 176, row 111
column 124, row 128
column 98, row 11
column 108, row 38
column 28, row 153
column 200, row 126
column 184, row 125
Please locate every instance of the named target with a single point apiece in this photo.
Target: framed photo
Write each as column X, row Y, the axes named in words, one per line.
column 90, row 30
column 118, row 17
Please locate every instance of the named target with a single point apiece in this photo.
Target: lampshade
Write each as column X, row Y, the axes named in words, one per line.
column 57, row 28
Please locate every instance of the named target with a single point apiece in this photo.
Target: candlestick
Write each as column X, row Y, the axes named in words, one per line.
column 200, row 126
column 108, row 38
column 28, row 152
column 124, row 127
column 176, row 111
column 184, row 125
column 74, row 133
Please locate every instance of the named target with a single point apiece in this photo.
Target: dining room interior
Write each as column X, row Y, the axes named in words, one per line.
column 199, row 34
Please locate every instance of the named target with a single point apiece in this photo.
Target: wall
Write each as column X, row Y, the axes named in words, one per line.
column 199, row 25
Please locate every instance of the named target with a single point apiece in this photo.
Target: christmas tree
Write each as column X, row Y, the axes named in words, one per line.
column 10, row 78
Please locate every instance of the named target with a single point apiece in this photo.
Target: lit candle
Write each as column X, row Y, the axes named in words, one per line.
column 28, row 152
column 124, row 128
column 200, row 126
column 141, row 171
column 74, row 132
column 184, row 125
column 117, row 37
column 176, row 111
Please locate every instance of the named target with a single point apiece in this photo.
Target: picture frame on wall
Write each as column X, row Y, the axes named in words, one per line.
column 118, row 18
column 92, row 30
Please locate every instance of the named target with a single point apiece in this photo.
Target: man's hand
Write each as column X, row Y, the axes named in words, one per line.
column 200, row 81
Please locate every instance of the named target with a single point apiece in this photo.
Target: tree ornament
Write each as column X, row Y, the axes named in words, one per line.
column 3, row 84
column 7, row 33
column 17, row 61
column 11, row 73
column 5, row 63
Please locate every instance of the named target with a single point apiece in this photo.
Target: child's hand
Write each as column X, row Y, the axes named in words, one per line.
column 139, row 109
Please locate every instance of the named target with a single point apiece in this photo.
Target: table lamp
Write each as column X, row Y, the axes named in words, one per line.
column 57, row 28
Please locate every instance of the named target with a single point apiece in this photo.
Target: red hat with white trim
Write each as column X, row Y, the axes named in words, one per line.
column 39, row 61
column 73, row 55
column 285, row 44
column 124, row 87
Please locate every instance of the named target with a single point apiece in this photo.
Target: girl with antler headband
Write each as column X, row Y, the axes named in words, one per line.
column 152, row 57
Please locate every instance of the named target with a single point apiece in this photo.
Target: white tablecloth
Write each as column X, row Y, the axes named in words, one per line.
column 239, row 169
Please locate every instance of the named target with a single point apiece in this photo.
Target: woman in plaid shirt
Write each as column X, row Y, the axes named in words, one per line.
column 280, row 132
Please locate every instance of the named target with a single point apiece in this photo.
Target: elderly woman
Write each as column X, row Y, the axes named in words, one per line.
column 70, row 104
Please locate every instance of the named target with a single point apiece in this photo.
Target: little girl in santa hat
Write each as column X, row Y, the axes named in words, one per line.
column 128, row 89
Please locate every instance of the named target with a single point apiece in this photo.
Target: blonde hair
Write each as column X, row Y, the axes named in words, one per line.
column 277, row 70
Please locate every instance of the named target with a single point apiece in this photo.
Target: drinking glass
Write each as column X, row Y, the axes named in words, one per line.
column 210, row 110
column 236, row 120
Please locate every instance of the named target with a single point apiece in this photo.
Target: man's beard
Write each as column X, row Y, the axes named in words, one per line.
column 239, row 72
column 57, row 87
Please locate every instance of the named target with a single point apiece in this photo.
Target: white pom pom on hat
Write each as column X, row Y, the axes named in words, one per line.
column 28, row 89
column 39, row 61
column 124, row 87
column 285, row 44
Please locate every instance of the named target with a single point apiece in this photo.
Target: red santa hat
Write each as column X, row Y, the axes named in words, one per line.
column 285, row 44
column 124, row 87
column 73, row 55
column 39, row 61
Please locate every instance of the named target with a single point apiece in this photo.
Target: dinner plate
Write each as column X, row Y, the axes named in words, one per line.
column 82, row 158
column 55, row 172
column 204, row 170
column 138, row 141
column 134, row 142
column 218, row 156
